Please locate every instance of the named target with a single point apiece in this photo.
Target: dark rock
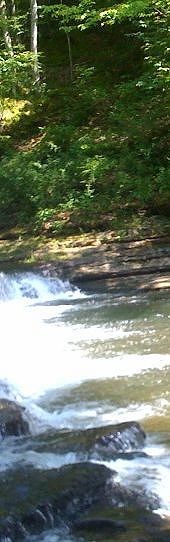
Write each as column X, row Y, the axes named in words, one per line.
column 97, row 524
column 41, row 499
column 84, row 485
column 26, row 488
column 162, row 536
column 74, row 495
column 12, row 529
column 35, row 521
column 126, row 438
column 123, row 437
column 136, row 454
column 49, row 514
column 12, row 422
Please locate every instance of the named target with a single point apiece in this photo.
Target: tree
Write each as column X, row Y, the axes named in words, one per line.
column 13, row 8
column 34, row 37
column 5, row 29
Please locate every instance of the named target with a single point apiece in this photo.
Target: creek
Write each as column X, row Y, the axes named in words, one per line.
column 79, row 358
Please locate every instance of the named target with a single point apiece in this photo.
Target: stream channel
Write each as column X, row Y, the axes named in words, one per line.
column 80, row 359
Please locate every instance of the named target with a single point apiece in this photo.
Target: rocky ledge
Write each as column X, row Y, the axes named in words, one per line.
column 143, row 264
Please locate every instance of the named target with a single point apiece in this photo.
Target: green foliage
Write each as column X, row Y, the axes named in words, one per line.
column 15, row 74
column 87, row 13
column 102, row 139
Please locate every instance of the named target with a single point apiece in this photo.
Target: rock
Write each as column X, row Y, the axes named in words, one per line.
column 83, row 496
column 85, row 485
column 12, row 420
column 41, row 499
column 145, row 261
column 12, row 529
column 109, row 526
column 126, row 439
column 35, row 521
column 123, row 437
column 65, row 489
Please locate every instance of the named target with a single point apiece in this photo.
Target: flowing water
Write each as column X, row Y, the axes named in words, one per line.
column 85, row 358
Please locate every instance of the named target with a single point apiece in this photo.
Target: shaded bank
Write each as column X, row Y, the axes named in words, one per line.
column 143, row 264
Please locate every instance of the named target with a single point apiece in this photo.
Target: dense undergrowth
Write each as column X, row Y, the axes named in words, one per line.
column 87, row 152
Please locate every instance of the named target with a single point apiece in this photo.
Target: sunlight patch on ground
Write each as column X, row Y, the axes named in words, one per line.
column 12, row 109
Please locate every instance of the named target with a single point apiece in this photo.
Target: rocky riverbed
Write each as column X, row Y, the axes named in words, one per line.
column 83, row 499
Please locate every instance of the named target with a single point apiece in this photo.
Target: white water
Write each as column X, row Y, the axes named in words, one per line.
column 34, row 355
column 40, row 352
column 55, row 337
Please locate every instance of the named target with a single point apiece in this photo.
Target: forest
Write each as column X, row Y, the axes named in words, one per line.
column 84, row 106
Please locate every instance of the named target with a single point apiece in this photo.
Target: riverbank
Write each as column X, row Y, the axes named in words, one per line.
column 143, row 264
column 139, row 260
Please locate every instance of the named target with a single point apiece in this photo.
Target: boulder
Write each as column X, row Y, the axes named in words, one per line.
column 12, row 420
column 127, row 439
column 121, row 438
column 32, row 500
column 83, row 497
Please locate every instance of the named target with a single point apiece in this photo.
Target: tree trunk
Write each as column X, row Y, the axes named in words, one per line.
column 13, row 8
column 69, row 51
column 34, row 37
column 6, row 34
column 70, row 55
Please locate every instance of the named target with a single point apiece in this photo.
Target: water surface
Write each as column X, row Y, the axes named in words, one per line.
column 84, row 358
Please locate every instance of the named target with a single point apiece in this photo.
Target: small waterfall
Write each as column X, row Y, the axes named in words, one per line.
column 7, row 287
column 34, row 355
column 33, row 286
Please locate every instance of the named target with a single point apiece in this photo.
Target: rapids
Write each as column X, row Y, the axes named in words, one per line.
column 82, row 358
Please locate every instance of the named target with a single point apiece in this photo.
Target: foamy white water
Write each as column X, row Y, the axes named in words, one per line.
column 39, row 352
column 55, row 337
column 34, row 355
column 151, row 475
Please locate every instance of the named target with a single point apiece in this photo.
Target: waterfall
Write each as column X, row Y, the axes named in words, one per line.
column 32, row 352
column 33, row 286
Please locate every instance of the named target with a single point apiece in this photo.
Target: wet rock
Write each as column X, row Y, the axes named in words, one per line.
column 123, row 437
column 108, row 526
column 40, row 518
column 12, row 529
column 12, row 420
column 126, row 438
column 48, row 512
column 128, row 456
column 74, row 495
column 85, row 485
column 41, row 499
column 26, row 488
column 35, row 521
column 162, row 536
